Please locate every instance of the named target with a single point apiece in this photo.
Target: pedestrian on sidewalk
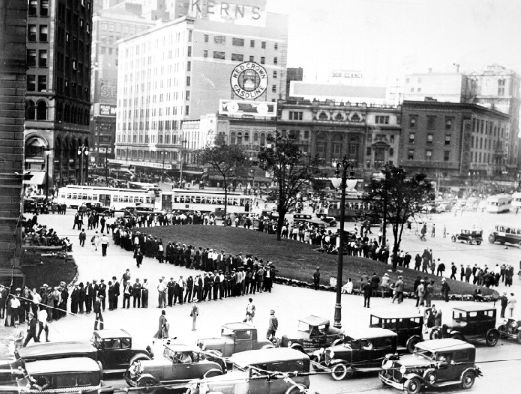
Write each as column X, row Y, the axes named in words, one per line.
column 97, row 314
column 95, row 240
column 316, row 278
column 42, row 319
column 162, row 331
column 250, row 311
column 367, row 289
column 398, row 290
column 194, row 313
column 83, row 237
column 31, row 329
column 19, row 335
column 504, row 303
column 273, row 325
column 104, row 244
column 445, row 289
column 511, row 304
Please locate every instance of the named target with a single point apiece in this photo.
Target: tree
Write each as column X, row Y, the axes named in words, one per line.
column 398, row 199
column 228, row 160
column 292, row 170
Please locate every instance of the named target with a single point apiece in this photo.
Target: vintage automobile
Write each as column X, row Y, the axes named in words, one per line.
column 71, row 375
column 266, row 371
column 312, row 333
column 510, row 329
column 434, row 364
column 470, row 323
column 113, row 349
column 362, row 351
column 408, row 327
column 235, row 338
column 470, row 236
column 179, row 363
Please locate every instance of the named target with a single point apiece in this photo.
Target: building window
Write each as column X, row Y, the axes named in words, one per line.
column 188, row 81
column 391, row 151
column 219, row 39
column 368, row 151
column 295, row 115
column 252, row 43
column 263, row 60
column 187, row 95
column 189, row 53
column 430, row 138
column 33, row 7
column 219, row 55
column 31, row 83
column 205, row 53
column 102, row 50
column 31, row 57
column 448, row 123
column 391, row 138
column 447, row 139
column 276, row 46
column 42, row 83
column 274, row 74
column 42, row 58
column 44, row 7
column 238, row 42
column 275, row 60
column 187, row 110
column 410, row 154
column 31, row 33
column 206, row 38
column 428, row 155
column 379, row 119
column 263, row 44
column 252, row 58
column 431, row 122
column 41, row 111
column 501, row 87
column 411, row 138
column 274, row 88
column 188, row 66
column 237, row 57
column 413, row 121
column 446, row 155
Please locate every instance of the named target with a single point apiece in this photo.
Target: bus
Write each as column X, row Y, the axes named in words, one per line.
column 206, row 201
column 516, row 200
column 75, row 195
column 499, row 203
column 505, row 233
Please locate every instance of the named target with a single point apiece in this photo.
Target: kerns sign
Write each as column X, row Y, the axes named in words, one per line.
column 249, row 80
column 217, row 9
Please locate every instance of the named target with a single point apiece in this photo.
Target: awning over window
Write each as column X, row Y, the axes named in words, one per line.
column 37, row 179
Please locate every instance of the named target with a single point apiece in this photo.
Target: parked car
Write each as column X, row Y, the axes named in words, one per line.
column 313, row 333
column 434, row 364
column 260, row 371
column 510, row 329
column 472, row 236
column 361, row 351
column 330, row 220
column 235, row 338
column 179, row 363
column 408, row 327
column 112, row 348
column 470, row 322
column 71, row 375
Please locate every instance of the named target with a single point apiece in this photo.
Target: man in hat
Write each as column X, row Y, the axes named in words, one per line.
column 316, row 278
column 31, row 329
column 420, row 293
column 445, row 288
column 98, row 315
column 398, row 290
column 3, row 300
column 385, row 284
column 194, row 313
column 273, row 325
column 504, row 303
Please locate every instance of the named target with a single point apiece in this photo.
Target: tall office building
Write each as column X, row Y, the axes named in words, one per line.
column 58, row 90
column 110, row 25
column 13, row 27
column 181, row 69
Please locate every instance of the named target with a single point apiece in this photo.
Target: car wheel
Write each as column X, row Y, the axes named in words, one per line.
column 467, row 380
column 411, row 343
column 453, row 238
column 148, row 385
column 492, row 337
column 491, row 238
column 212, row 372
column 341, row 371
column 519, row 337
column 478, row 242
column 435, row 334
column 430, row 375
column 413, row 386
column 458, row 336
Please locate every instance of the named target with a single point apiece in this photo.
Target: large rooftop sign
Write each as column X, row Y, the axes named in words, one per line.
column 249, row 80
column 245, row 12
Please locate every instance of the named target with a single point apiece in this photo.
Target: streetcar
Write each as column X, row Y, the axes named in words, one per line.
column 499, row 203
column 505, row 233
column 75, row 196
column 206, row 201
column 516, row 200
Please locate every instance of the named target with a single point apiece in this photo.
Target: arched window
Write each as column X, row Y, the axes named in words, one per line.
column 263, row 139
column 339, row 117
column 67, row 113
column 246, row 137
column 255, row 137
column 29, row 110
column 232, row 139
column 322, row 116
column 41, row 113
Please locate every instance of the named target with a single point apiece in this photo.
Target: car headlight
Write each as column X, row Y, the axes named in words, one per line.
column 387, row 364
column 331, row 354
column 403, row 369
column 289, row 343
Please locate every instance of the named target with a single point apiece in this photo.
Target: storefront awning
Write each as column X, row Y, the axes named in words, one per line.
column 37, row 179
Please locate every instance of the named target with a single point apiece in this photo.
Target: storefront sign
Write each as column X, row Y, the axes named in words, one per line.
column 143, row 164
column 254, row 108
column 249, row 80
column 249, row 12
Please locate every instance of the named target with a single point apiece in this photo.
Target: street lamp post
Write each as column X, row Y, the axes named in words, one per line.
column 106, row 167
column 342, row 182
column 82, row 150
column 181, row 164
column 47, row 177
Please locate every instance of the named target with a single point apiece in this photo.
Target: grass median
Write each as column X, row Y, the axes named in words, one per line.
column 292, row 259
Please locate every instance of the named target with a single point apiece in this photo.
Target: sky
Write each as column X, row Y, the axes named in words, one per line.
column 386, row 39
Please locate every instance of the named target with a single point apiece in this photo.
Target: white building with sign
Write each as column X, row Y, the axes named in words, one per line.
column 180, row 70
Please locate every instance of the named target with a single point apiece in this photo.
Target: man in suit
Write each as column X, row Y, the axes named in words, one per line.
column 170, row 287
column 116, row 293
column 98, row 314
column 32, row 324
column 75, row 295
column 89, row 297
column 81, row 298
column 102, row 290
column 136, row 293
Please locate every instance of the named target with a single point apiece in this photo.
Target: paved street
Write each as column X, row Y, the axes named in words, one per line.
column 289, row 303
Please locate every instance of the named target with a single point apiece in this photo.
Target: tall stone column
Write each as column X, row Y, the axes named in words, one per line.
column 13, row 28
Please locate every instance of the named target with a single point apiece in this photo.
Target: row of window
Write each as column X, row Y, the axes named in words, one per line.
column 160, row 125
column 482, row 126
column 123, row 154
column 369, row 151
column 429, row 138
column 38, row 8
column 428, row 155
column 236, row 57
column 122, row 28
column 37, row 33
column 489, row 144
column 431, row 122
column 238, row 42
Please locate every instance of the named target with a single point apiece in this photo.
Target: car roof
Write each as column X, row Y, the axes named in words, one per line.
column 444, row 344
column 313, row 320
column 181, row 347
column 238, row 326
column 395, row 315
column 55, row 348
column 73, row 364
column 262, row 356
column 112, row 333
column 368, row 333
column 473, row 308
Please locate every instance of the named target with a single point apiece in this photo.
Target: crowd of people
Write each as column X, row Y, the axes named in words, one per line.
column 36, row 234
